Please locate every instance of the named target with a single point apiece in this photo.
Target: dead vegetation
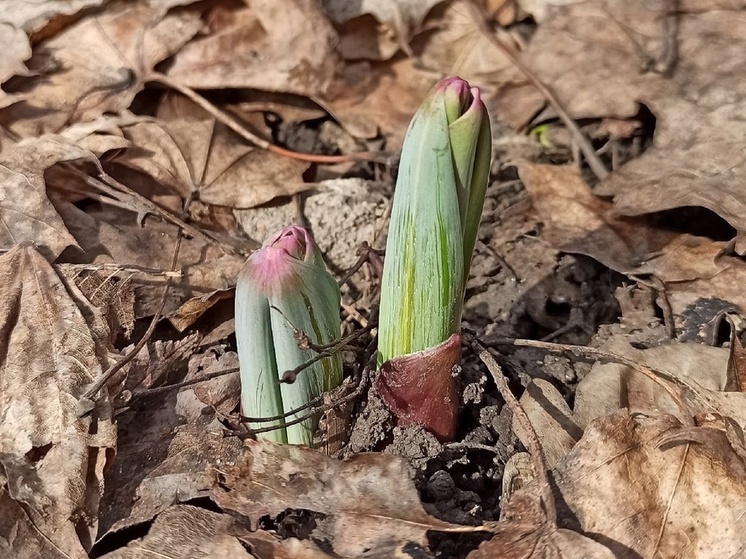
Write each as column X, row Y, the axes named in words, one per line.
column 147, row 147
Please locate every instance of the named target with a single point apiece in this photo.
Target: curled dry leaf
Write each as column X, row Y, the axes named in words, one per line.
column 203, row 160
column 649, row 499
column 695, row 373
column 551, row 419
column 33, row 16
column 16, row 50
column 524, row 533
column 369, row 499
column 702, row 372
column 27, row 214
column 97, row 65
column 287, row 47
column 192, row 309
column 376, row 29
column 700, row 166
column 166, row 446
column 186, row 531
column 591, row 54
column 51, row 460
column 692, row 268
column 27, row 18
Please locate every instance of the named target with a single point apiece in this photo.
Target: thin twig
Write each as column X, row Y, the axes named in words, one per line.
column 327, row 350
column 594, row 162
column 157, row 210
column 312, row 406
column 366, row 254
column 656, row 375
column 496, row 255
column 85, row 404
column 533, row 444
column 147, row 392
column 117, row 268
column 238, row 128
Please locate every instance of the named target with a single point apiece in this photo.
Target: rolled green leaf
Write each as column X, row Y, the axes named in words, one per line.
column 437, row 206
column 283, row 288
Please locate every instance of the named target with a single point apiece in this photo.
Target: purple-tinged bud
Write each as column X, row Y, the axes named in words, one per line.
column 284, row 287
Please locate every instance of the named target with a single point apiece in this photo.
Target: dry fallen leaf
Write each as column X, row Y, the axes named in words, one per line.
column 457, row 47
column 163, row 455
column 369, row 499
column 551, row 418
column 370, row 98
column 186, row 531
column 695, row 161
column 112, row 235
column 642, row 487
column 26, row 18
column 579, row 222
column 16, row 50
column 222, row 393
column 51, row 460
column 594, row 55
column 26, row 212
column 524, row 533
column 96, row 65
column 33, row 16
column 192, row 309
column 287, row 47
column 702, row 372
column 376, row 29
column 601, row 45
column 115, row 298
column 646, row 494
column 203, row 160
column 692, row 268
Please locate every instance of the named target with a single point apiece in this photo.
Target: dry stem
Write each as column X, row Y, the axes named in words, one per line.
column 594, row 162
column 86, row 404
column 240, row 129
column 661, row 378
column 538, row 460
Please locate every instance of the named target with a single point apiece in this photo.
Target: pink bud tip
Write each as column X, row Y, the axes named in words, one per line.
column 294, row 240
column 275, row 263
column 459, row 96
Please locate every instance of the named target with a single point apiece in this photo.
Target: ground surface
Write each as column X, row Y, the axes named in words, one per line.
column 148, row 148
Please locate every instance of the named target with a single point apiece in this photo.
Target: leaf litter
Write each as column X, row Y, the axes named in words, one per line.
column 157, row 144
